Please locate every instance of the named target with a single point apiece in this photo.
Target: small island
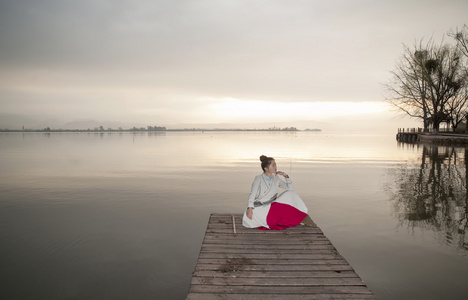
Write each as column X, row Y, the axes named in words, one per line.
column 315, row 129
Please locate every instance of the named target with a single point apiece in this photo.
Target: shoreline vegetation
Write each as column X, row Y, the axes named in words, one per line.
column 152, row 129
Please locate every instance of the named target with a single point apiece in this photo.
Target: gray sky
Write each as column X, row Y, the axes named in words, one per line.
column 169, row 62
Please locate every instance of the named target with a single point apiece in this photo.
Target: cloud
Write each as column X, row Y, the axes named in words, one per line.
column 147, row 57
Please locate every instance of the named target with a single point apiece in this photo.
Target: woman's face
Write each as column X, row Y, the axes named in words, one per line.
column 272, row 167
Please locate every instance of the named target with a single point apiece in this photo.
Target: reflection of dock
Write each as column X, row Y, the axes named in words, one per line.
column 444, row 139
column 410, row 135
column 296, row 263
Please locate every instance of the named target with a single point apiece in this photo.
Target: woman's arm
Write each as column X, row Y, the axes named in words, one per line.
column 288, row 185
column 254, row 191
column 252, row 195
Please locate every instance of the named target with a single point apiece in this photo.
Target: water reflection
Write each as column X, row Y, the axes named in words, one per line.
column 431, row 194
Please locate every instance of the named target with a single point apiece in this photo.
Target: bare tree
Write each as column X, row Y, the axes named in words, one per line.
column 427, row 81
column 446, row 78
column 460, row 106
column 407, row 88
column 457, row 108
column 461, row 36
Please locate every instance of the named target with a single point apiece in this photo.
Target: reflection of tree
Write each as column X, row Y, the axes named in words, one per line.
column 433, row 195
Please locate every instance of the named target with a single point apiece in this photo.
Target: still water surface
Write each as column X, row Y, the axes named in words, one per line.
column 122, row 215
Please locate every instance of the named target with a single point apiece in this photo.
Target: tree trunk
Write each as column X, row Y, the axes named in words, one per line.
column 466, row 124
column 435, row 126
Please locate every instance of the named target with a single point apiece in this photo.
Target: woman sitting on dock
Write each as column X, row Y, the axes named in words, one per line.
column 268, row 210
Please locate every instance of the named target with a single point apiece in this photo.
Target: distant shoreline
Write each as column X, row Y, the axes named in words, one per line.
column 146, row 130
column 158, row 129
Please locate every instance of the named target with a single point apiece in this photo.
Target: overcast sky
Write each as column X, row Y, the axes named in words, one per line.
column 169, row 62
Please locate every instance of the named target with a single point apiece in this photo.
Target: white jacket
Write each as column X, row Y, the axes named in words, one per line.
column 262, row 191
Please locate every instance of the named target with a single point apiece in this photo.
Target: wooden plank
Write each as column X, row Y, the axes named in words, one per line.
column 273, row 257
column 343, row 266
column 275, row 273
column 250, row 247
column 209, row 296
column 221, row 261
column 237, row 251
column 248, row 232
column 268, row 290
column 265, row 242
column 296, row 263
column 275, row 281
column 261, row 240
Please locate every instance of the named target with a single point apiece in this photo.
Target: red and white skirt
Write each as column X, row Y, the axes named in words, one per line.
column 288, row 210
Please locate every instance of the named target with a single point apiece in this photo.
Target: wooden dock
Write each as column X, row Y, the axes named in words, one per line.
column 296, row 263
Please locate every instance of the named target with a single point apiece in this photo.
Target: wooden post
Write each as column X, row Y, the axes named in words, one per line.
column 234, row 225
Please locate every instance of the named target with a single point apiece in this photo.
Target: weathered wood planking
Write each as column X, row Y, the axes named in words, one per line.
column 296, row 263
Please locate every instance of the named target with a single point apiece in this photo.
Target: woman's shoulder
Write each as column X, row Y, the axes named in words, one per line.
column 258, row 177
column 257, row 180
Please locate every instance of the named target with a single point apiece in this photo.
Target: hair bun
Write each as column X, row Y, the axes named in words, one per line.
column 263, row 157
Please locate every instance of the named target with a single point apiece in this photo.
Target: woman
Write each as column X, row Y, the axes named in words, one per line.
column 268, row 210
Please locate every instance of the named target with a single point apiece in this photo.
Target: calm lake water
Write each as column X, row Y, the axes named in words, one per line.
column 123, row 215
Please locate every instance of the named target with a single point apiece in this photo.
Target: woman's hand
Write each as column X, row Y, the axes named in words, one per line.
column 282, row 173
column 250, row 213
